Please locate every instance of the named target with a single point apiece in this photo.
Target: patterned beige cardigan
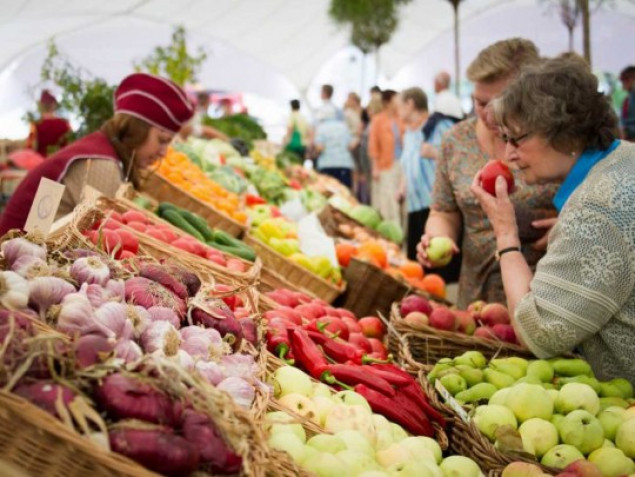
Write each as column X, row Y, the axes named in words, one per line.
column 583, row 293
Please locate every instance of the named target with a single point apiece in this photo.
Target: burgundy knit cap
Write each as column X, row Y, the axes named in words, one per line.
column 156, row 100
column 47, row 99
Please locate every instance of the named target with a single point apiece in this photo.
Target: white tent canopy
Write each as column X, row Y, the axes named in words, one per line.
column 279, row 49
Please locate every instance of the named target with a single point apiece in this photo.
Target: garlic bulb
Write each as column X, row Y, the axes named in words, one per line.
column 163, row 313
column 90, row 270
column 113, row 316
column 28, row 266
column 19, row 247
column 202, row 343
column 242, row 392
column 47, row 291
column 128, row 350
column 14, row 291
column 161, row 336
column 210, row 371
column 75, row 315
column 139, row 317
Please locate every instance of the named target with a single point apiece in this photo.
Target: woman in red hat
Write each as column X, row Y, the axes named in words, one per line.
column 149, row 110
column 51, row 132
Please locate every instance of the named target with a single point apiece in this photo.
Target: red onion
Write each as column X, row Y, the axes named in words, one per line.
column 223, row 321
column 157, row 449
column 161, row 313
column 160, row 275
column 127, row 398
column 189, row 279
column 147, row 293
column 250, row 331
column 45, row 394
column 201, row 432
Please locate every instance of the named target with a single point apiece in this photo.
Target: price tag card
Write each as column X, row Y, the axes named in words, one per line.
column 450, row 401
column 44, row 208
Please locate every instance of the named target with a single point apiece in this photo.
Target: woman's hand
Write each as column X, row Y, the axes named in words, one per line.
column 422, row 255
column 499, row 211
column 547, row 224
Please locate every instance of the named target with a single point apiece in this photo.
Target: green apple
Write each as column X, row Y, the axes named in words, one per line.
column 489, row 418
column 561, row 456
column 383, row 440
column 625, row 438
column 323, row 406
column 612, row 462
column 374, row 473
column 530, row 380
column 454, row 383
column 611, row 418
column 607, row 443
column 573, row 396
column 308, row 453
column 528, row 401
column 327, row 443
column 289, row 443
column 630, row 412
column 351, row 398
column 322, row 390
column 290, row 380
column 556, row 419
column 475, row 359
column 553, row 394
column 414, row 468
column 421, row 447
column 500, row 396
column 582, row 430
column 393, row 455
column 279, row 422
column 355, row 418
column 440, row 251
column 612, row 401
column 540, row 369
column 381, row 423
column 459, row 466
column 325, row 465
column 355, row 440
column 542, row 434
column 357, row 462
column 299, row 404
column 523, row 469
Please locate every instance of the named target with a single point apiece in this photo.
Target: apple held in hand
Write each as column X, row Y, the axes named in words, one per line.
column 491, row 171
column 440, row 251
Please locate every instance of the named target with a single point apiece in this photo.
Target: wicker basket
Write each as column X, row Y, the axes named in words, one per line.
column 301, row 278
column 429, row 345
column 371, row 290
column 332, row 218
column 164, row 191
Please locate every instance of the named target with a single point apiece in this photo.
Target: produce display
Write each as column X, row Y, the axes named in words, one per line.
column 555, row 410
column 130, row 322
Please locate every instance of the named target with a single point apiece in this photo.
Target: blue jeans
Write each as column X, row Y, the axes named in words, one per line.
column 342, row 174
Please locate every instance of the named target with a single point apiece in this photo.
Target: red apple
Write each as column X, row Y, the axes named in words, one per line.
column 443, row 319
column 491, row 171
column 505, row 333
column 344, row 313
column 300, row 297
column 415, row 303
column 418, row 320
column 360, row 341
column 475, row 308
column 467, row 324
column 485, row 332
column 495, row 313
column 351, row 324
column 334, row 326
column 378, row 348
column 372, row 327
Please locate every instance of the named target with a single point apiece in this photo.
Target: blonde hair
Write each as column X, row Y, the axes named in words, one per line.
column 502, row 59
column 374, row 106
column 126, row 133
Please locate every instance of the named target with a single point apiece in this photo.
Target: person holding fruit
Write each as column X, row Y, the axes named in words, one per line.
column 454, row 211
column 559, row 129
column 149, row 111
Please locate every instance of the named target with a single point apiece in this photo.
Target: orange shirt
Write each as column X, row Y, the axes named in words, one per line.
column 381, row 140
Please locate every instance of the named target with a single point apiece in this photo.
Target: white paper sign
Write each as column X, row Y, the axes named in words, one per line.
column 44, row 208
column 450, row 401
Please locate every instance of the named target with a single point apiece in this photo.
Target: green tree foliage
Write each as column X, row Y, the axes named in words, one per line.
column 372, row 22
column 174, row 61
column 88, row 98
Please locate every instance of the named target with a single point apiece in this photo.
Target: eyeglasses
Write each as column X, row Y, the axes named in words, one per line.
column 514, row 141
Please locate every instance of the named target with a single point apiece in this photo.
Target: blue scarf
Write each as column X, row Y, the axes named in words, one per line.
column 579, row 171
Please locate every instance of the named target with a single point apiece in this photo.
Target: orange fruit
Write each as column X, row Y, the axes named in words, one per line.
column 368, row 257
column 376, row 250
column 411, row 269
column 344, row 253
column 434, row 284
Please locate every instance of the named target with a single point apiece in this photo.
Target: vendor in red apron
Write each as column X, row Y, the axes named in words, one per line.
column 149, row 110
column 50, row 132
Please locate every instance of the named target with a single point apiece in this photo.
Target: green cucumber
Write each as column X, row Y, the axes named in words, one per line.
column 164, row 206
column 199, row 224
column 223, row 238
column 176, row 219
column 242, row 252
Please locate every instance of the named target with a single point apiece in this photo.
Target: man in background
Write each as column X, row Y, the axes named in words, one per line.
column 298, row 129
column 446, row 101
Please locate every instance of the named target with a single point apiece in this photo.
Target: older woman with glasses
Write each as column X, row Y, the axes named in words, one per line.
column 560, row 130
column 467, row 147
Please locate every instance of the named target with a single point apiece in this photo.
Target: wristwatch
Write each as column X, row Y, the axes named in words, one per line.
column 500, row 253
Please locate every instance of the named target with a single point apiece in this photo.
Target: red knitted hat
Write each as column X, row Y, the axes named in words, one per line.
column 47, row 99
column 156, row 100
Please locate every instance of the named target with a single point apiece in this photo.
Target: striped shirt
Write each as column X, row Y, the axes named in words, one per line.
column 420, row 171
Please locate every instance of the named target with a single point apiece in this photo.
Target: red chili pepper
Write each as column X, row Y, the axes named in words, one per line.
column 393, row 378
column 415, row 393
column 354, row 375
column 307, row 353
column 391, row 368
column 339, row 351
column 411, row 408
column 275, row 212
column 252, row 199
column 385, row 405
column 278, row 341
